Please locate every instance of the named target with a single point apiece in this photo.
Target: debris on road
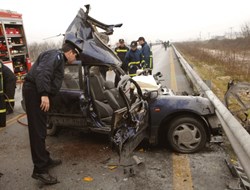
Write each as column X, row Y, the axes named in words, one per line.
column 112, row 167
column 137, row 160
column 88, row 179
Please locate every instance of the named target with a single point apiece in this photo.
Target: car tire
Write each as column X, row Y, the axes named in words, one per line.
column 186, row 134
column 52, row 130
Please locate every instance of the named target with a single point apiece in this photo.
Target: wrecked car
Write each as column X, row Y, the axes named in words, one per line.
column 130, row 112
column 237, row 101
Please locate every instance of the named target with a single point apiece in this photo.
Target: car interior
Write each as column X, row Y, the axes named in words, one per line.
column 106, row 97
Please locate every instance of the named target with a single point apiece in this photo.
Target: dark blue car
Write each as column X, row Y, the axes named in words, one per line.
column 131, row 111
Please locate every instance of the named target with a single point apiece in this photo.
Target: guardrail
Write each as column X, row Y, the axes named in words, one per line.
column 235, row 132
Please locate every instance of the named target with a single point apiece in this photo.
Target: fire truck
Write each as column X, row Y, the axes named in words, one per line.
column 13, row 44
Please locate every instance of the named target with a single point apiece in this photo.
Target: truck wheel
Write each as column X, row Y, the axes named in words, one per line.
column 52, row 130
column 186, row 134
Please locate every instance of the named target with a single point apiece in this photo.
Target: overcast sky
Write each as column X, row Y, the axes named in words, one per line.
column 173, row 20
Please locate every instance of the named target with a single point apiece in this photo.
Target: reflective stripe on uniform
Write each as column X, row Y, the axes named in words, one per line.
column 132, row 75
column 151, row 60
column 9, row 100
column 1, row 79
column 134, row 63
column 2, row 110
column 121, row 50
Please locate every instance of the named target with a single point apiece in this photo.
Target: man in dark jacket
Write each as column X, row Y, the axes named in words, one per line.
column 121, row 51
column 43, row 81
column 9, row 87
column 2, row 101
column 133, row 59
column 147, row 58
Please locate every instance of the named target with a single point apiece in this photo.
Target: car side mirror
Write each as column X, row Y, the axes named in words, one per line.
column 158, row 74
column 150, row 95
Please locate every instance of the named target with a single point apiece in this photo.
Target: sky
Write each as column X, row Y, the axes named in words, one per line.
column 175, row 20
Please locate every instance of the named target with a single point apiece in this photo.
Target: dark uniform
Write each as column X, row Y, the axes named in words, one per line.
column 121, row 53
column 44, row 79
column 2, row 101
column 147, row 57
column 9, row 87
column 133, row 59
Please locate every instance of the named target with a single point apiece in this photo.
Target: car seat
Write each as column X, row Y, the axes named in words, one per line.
column 106, row 96
column 113, row 96
column 97, row 90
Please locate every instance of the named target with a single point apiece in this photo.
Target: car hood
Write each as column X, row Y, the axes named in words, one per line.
column 146, row 82
column 84, row 35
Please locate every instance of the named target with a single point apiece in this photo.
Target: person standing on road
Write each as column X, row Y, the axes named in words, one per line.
column 121, row 51
column 7, row 92
column 166, row 44
column 133, row 59
column 147, row 57
column 43, row 81
column 9, row 88
column 2, row 101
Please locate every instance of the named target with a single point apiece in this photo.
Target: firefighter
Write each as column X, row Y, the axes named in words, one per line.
column 2, row 101
column 133, row 59
column 121, row 51
column 44, row 80
column 9, row 88
column 147, row 57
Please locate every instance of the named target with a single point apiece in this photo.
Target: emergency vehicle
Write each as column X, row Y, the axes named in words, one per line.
column 13, row 44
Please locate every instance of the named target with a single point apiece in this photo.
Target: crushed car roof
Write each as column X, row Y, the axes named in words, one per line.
column 82, row 32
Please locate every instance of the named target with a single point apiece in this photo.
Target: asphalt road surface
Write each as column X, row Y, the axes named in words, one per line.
column 90, row 164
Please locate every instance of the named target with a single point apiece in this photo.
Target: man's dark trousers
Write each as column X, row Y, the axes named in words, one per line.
column 38, row 132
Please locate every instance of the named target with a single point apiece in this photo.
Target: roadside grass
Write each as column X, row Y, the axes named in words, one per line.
column 218, row 69
column 210, row 72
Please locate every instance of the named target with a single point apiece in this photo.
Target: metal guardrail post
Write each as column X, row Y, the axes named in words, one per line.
column 236, row 134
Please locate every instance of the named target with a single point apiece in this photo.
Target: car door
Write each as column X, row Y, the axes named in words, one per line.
column 67, row 101
column 130, row 124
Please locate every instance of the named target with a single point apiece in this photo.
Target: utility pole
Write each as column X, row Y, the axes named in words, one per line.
column 231, row 32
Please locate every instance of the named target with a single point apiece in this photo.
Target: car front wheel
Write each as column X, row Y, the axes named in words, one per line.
column 52, row 130
column 186, row 134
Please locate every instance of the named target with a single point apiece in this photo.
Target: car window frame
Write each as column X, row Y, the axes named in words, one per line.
column 79, row 79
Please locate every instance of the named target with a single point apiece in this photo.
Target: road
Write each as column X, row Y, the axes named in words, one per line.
column 89, row 163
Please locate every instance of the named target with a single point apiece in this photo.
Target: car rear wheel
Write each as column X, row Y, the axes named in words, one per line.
column 186, row 134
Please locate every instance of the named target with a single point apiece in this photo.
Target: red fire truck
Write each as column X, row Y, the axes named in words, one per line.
column 13, row 44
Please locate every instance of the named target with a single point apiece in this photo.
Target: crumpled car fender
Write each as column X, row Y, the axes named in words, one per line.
column 164, row 106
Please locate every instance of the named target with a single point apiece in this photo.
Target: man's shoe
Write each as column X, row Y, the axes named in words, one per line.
column 52, row 163
column 46, row 178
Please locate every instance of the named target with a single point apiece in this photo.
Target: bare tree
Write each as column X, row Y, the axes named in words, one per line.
column 245, row 30
column 36, row 48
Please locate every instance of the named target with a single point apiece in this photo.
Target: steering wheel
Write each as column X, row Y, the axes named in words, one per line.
column 135, row 98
